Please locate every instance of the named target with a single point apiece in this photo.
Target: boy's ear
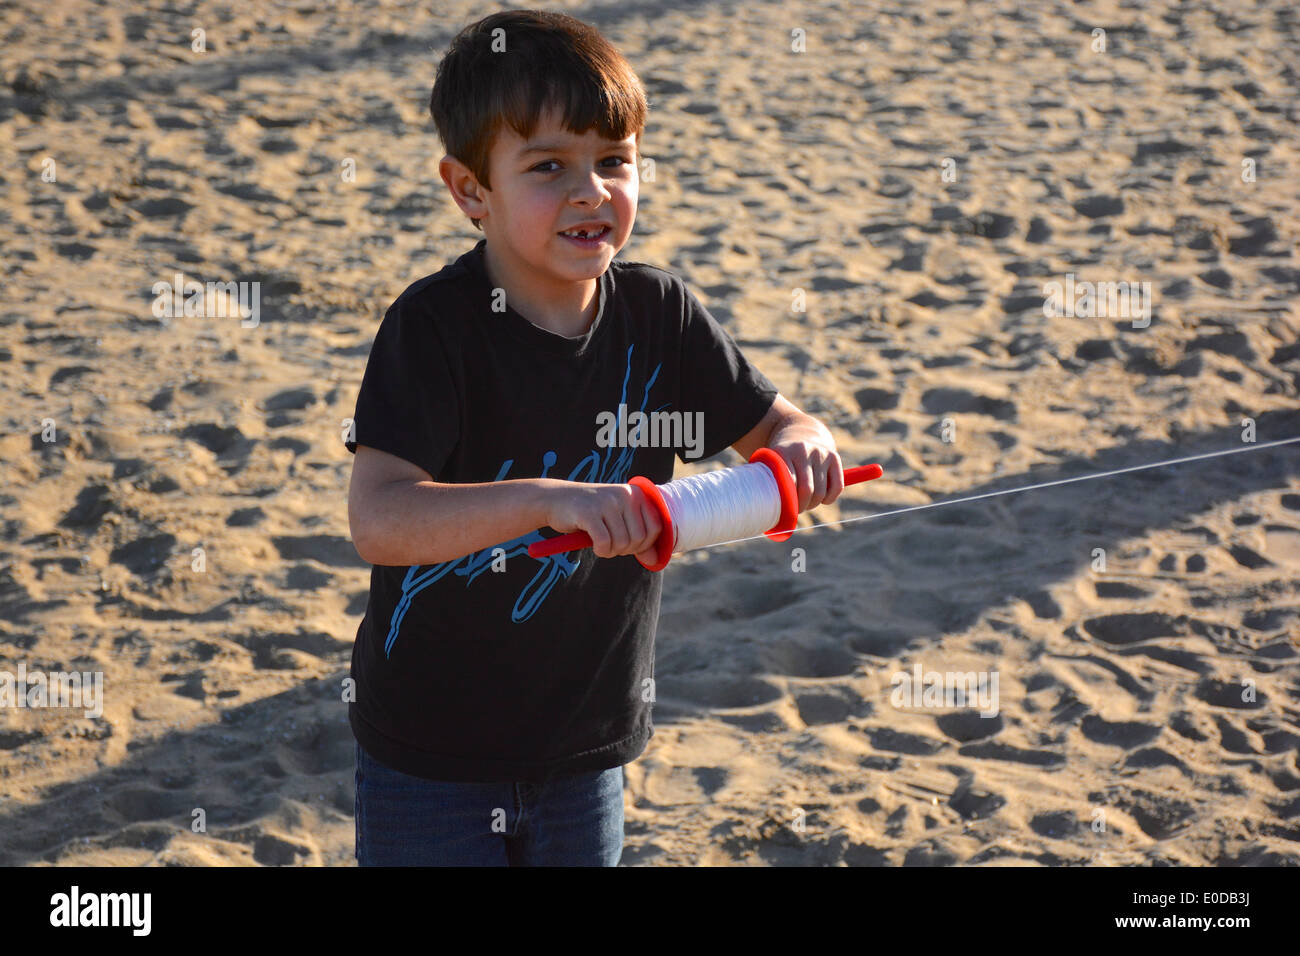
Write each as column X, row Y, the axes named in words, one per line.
column 465, row 189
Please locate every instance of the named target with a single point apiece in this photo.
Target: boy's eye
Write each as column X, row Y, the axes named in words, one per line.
column 551, row 162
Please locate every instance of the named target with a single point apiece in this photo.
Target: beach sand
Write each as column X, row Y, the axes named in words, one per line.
column 185, row 533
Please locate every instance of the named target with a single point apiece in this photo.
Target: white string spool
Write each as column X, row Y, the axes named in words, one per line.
column 719, row 505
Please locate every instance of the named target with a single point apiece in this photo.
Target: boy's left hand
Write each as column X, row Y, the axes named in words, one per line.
column 809, row 450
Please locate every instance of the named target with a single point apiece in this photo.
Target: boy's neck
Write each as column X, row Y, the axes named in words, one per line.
column 565, row 308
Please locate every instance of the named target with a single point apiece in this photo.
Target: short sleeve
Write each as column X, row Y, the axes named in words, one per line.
column 408, row 404
column 718, row 381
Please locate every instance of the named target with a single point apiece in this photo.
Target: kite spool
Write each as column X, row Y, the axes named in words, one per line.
column 716, row 506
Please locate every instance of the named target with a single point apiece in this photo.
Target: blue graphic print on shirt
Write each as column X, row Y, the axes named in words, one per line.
column 613, row 467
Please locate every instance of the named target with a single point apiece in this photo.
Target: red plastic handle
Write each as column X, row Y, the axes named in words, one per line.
column 577, row 540
column 854, row 476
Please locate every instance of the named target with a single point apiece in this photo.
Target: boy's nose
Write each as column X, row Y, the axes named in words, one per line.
column 589, row 187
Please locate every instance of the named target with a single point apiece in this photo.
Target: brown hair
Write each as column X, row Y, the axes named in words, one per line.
column 542, row 59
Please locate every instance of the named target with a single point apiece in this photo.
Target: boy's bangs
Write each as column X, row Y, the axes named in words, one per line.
column 614, row 113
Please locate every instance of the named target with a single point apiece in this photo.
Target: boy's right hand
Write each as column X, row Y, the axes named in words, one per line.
column 618, row 518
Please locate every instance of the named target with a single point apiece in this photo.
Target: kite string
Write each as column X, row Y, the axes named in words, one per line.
column 711, row 505
column 1012, row 491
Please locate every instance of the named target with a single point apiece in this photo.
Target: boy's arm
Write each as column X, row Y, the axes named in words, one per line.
column 759, row 434
column 399, row 515
column 806, row 445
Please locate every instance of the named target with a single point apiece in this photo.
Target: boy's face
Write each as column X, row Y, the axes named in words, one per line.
column 555, row 181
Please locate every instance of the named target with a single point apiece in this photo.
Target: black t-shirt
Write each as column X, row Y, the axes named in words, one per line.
column 467, row 673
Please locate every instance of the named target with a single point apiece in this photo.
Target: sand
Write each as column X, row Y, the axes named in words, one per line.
column 1146, row 713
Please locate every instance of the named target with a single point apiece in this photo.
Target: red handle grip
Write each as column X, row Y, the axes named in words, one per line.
column 577, row 540
column 854, row 476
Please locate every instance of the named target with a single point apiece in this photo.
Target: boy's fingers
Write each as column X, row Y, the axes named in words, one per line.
column 600, row 538
column 835, row 482
column 653, row 526
column 642, row 523
column 635, row 525
column 805, row 472
column 819, row 484
column 649, row 553
column 618, row 536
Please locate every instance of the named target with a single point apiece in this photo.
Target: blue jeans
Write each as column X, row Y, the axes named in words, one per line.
column 402, row 820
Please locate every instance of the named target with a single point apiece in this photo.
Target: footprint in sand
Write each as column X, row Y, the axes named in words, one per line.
column 226, row 442
column 1150, row 757
column 145, row 554
column 942, row 401
column 273, row 850
column 825, row 660
column 187, row 685
column 279, row 650
column 93, row 502
column 725, row 692
column 1259, row 234
column 1121, row 629
column 1057, row 825
column 305, row 577
column 875, row 399
column 1099, row 206
column 885, row 738
column 827, row 708
column 319, row 748
column 1125, row 734
column 1271, row 619
column 965, row 726
column 135, row 804
column 1235, row 696
column 996, row 750
column 75, row 251
column 281, row 406
column 332, row 550
column 69, row 372
column 1114, row 590
column 245, row 517
column 13, row 739
column 973, row 803
column 751, row 599
column 1157, row 815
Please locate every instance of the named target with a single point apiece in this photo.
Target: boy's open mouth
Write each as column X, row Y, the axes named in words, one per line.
column 586, row 237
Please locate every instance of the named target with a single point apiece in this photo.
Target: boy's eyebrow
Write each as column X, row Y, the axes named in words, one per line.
column 561, row 148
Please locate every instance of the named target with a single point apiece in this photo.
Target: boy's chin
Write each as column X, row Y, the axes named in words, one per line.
column 581, row 264
column 575, row 273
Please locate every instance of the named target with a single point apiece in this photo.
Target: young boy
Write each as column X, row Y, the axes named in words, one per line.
column 498, row 696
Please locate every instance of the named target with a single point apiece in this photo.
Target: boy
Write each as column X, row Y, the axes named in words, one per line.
column 498, row 696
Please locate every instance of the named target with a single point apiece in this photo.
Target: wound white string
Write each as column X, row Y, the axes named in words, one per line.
column 714, row 542
column 716, row 505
